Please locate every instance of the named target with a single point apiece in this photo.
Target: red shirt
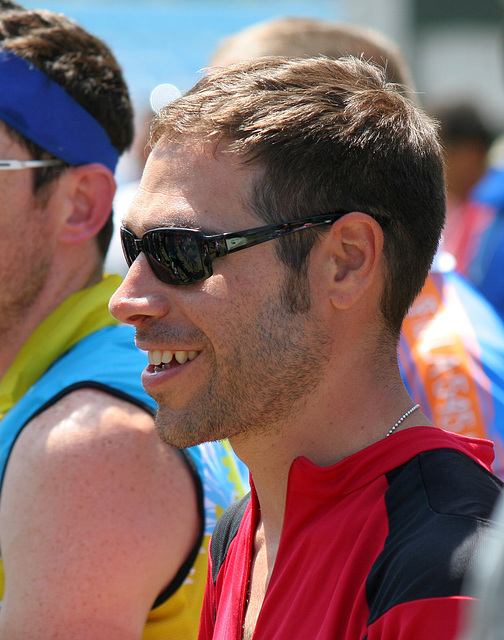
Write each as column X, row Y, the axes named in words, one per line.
column 375, row 546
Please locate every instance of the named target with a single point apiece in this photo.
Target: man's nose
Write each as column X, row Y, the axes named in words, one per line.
column 141, row 295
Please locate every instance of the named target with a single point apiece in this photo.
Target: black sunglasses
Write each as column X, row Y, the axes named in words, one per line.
column 184, row 256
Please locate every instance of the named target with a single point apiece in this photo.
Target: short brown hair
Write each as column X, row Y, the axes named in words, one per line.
column 328, row 135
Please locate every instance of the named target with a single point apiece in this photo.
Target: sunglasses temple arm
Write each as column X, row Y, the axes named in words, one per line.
column 231, row 242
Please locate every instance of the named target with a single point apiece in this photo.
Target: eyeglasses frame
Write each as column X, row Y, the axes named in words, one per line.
column 17, row 165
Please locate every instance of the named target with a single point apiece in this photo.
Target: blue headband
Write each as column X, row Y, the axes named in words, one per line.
column 40, row 109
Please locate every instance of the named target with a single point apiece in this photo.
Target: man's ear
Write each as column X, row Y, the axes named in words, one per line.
column 352, row 257
column 89, row 191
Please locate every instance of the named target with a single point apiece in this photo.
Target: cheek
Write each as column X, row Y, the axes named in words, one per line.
column 226, row 306
column 16, row 190
column 255, row 270
column 225, row 309
column 238, row 291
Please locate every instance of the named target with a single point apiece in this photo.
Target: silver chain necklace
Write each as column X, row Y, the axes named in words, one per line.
column 403, row 417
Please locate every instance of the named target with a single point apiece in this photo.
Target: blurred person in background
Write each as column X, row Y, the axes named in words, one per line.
column 451, row 351
column 481, row 260
column 309, row 37
column 466, row 139
column 103, row 528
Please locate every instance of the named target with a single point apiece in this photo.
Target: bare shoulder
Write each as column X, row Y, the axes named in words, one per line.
column 92, row 496
column 92, row 437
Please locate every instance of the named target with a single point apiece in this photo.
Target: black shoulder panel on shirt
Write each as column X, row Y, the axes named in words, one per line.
column 438, row 506
column 224, row 532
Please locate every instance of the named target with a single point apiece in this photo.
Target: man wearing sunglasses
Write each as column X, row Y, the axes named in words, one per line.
column 103, row 528
column 452, row 341
column 286, row 220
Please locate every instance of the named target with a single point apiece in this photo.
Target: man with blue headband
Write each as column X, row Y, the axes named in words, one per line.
column 103, row 528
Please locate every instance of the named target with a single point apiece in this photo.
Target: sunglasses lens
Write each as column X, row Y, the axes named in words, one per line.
column 177, row 256
column 129, row 247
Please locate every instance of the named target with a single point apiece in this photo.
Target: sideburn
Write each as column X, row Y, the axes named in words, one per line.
column 295, row 294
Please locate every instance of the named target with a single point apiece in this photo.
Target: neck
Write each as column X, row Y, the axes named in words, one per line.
column 341, row 429
column 17, row 327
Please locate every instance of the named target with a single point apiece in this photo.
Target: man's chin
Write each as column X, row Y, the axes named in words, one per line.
column 174, row 437
column 178, row 433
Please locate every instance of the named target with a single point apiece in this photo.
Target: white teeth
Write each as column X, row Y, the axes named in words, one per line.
column 155, row 357
column 159, row 358
column 181, row 356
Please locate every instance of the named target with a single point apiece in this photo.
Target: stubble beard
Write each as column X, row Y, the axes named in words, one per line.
column 21, row 293
column 24, row 276
column 275, row 363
